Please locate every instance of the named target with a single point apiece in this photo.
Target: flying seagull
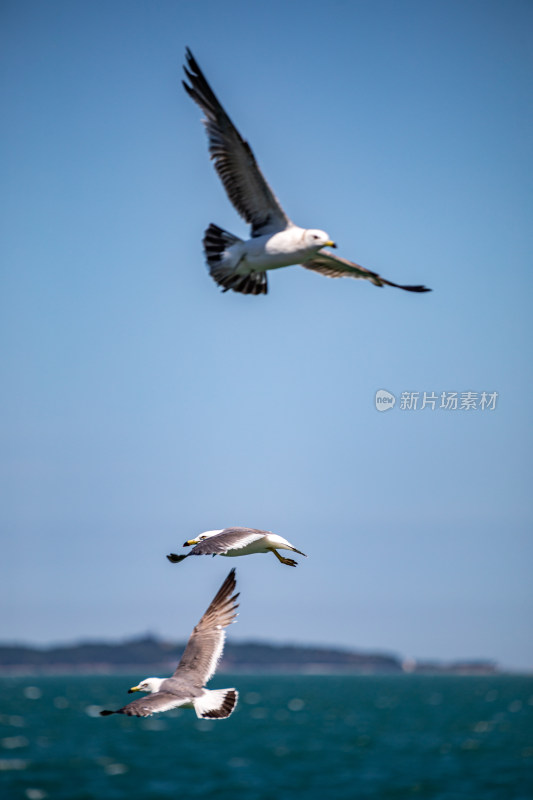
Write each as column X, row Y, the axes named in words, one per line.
column 238, row 542
column 275, row 240
column 198, row 664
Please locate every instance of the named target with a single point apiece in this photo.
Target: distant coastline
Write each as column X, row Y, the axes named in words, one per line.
column 148, row 653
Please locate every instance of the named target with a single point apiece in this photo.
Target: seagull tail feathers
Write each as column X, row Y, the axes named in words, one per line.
column 216, row 703
column 222, row 267
column 295, row 550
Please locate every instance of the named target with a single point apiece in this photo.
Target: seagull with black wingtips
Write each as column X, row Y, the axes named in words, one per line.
column 237, row 541
column 197, row 665
column 275, row 241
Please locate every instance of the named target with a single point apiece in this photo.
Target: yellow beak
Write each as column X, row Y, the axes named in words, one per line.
column 330, row 244
column 134, row 689
column 191, row 541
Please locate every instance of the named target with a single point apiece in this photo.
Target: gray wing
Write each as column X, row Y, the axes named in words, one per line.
column 151, row 704
column 336, row 267
column 204, row 648
column 228, row 539
column 234, row 160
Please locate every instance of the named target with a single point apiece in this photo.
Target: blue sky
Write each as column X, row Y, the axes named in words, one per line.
column 141, row 406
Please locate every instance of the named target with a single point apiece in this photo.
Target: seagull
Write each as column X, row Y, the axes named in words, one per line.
column 198, row 664
column 238, row 542
column 275, row 240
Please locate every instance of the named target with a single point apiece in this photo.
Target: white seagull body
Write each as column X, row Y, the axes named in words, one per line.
column 275, row 240
column 232, row 542
column 197, row 665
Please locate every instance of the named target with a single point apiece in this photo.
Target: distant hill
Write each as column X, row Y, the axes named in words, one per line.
column 152, row 655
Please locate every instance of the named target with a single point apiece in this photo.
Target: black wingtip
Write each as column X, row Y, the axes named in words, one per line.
column 194, row 70
column 229, row 585
column 231, row 579
column 191, row 61
column 416, row 288
column 106, row 712
column 405, row 287
column 175, row 559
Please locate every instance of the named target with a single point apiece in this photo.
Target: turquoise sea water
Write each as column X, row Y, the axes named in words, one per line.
column 313, row 737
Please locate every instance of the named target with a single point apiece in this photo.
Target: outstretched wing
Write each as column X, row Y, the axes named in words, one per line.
column 234, row 160
column 151, row 704
column 204, row 648
column 336, row 267
column 228, row 539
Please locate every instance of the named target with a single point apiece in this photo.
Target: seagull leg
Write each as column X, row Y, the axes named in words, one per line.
column 288, row 561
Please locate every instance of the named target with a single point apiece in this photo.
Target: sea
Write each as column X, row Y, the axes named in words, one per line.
column 313, row 737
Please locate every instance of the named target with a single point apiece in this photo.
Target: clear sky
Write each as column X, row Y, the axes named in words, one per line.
column 141, row 406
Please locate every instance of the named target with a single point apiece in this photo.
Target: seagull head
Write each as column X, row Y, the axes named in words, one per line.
column 201, row 537
column 317, row 239
column 147, row 685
